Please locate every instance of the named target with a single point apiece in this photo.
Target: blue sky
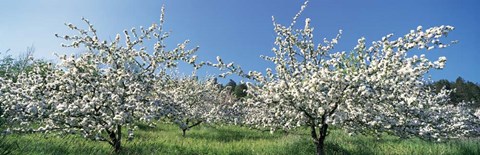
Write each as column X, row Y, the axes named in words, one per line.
column 242, row 30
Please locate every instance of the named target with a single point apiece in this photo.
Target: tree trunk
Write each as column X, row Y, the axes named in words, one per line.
column 320, row 148
column 117, row 146
column 189, row 127
column 319, row 140
column 116, row 139
column 320, row 144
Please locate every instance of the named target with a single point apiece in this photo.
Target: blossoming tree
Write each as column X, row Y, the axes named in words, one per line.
column 380, row 88
column 199, row 101
column 98, row 92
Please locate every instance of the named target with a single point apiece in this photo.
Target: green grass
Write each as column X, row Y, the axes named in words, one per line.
column 167, row 139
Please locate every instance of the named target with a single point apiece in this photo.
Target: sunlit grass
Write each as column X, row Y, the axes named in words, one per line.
column 167, row 139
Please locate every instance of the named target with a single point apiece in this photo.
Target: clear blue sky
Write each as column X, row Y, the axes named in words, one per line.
column 241, row 30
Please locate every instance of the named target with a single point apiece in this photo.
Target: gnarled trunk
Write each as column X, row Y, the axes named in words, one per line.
column 184, row 130
column 319, row 140
column 116, row 139
column 320, row 148
column 117, row 146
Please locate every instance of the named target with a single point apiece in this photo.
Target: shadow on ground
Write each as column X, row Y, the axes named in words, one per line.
column 226, row 135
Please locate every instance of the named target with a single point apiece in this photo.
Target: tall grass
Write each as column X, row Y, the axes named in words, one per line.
column 167, row 139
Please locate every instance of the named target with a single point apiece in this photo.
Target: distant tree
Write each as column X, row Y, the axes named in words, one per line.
column 199, row 101
column 240, row 90
column 460, row 89
column 465, row 91
column 438, row 85
column 5, row 64
column 11, row 67
column 231, row 84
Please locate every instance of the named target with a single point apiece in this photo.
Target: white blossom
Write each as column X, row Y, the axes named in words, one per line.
column 98, row 92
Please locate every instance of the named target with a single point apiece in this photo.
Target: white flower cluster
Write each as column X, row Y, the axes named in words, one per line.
column 96, row 93
column 375, row 89
column 200, row 101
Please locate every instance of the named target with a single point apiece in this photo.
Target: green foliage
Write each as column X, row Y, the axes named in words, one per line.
column 240, row 90
column 232, row 84
column 464, row 90
column 237, row 89
column 6, row 62
column 165, row 139
column 11, row 67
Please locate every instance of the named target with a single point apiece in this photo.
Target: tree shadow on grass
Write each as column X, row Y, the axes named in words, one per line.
column 360, row 148
column 333, row 148
column 146, row 127
column 297, row 147
column 173, row 149
column 467, row 147
column 56, row 145
column 468, row 150
column 300, row 146
column 226, row 135
column 306, row 146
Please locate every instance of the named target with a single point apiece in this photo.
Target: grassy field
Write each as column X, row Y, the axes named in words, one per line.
column 167, row 139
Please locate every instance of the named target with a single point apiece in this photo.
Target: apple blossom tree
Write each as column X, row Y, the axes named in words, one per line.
column 374, row 89
column 199, row 101
column 100, row 91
